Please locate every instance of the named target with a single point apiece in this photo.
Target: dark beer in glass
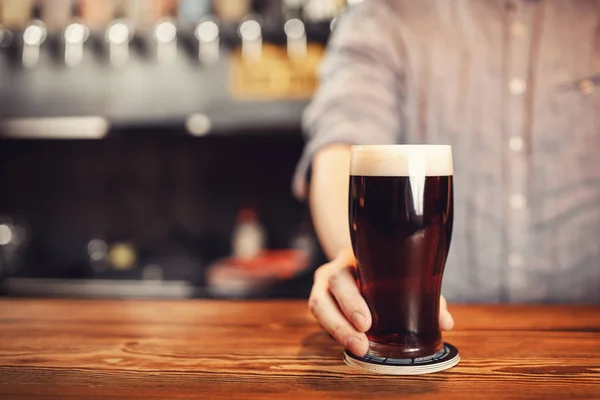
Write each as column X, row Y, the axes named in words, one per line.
column 401, row 214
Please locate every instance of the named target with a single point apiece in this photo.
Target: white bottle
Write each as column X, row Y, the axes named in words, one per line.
column 249, row 236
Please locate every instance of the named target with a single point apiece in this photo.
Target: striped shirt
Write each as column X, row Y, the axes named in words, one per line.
column 514, row 87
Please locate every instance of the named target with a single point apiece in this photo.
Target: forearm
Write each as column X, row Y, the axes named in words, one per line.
column 329, row 197
column 358, row 102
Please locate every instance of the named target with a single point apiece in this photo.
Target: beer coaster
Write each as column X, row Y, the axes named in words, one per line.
column 444, row 359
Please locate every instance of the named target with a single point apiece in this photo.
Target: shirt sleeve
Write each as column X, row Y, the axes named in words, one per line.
column 361, row 85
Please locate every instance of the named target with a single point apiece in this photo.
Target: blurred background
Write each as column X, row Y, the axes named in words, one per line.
column 147, row 146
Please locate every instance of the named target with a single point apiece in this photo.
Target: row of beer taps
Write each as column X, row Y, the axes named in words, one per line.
column 202, row 23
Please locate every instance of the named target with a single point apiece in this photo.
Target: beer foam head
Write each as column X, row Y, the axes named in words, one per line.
column 401, row 160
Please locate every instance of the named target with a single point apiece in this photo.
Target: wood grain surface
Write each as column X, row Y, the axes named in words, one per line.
column 75, row 349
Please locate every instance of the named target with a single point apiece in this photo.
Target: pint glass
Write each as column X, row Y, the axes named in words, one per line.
column 401, row 215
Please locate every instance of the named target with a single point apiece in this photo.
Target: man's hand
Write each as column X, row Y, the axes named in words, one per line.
column 336, row 303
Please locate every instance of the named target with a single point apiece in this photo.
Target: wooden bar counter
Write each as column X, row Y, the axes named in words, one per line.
column 78, row 349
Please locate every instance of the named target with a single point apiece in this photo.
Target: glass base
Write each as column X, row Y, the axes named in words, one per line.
column 400, row 351
column 446, row 358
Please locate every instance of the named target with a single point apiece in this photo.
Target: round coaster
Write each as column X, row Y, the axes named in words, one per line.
column 444, row 359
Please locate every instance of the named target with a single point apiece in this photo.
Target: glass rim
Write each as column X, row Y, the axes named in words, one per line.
column 401, row 160
column 401, row 146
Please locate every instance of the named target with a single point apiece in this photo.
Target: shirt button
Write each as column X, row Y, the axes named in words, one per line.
column 515, row 143
column 517, row 86
column 517, row 201
column 515, row 260
column 518, row 29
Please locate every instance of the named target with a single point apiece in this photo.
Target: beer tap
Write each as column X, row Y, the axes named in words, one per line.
column 75, row 36
column 34, row 36
column 296, row 39
column 118, row 35
column 208, row 35
column 6, row 37
column 165, row 35
column 250, row 32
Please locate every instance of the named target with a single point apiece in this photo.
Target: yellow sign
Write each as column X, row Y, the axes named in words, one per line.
column 275, row 76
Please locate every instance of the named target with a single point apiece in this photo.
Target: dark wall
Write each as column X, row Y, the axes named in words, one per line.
column 163, row 192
